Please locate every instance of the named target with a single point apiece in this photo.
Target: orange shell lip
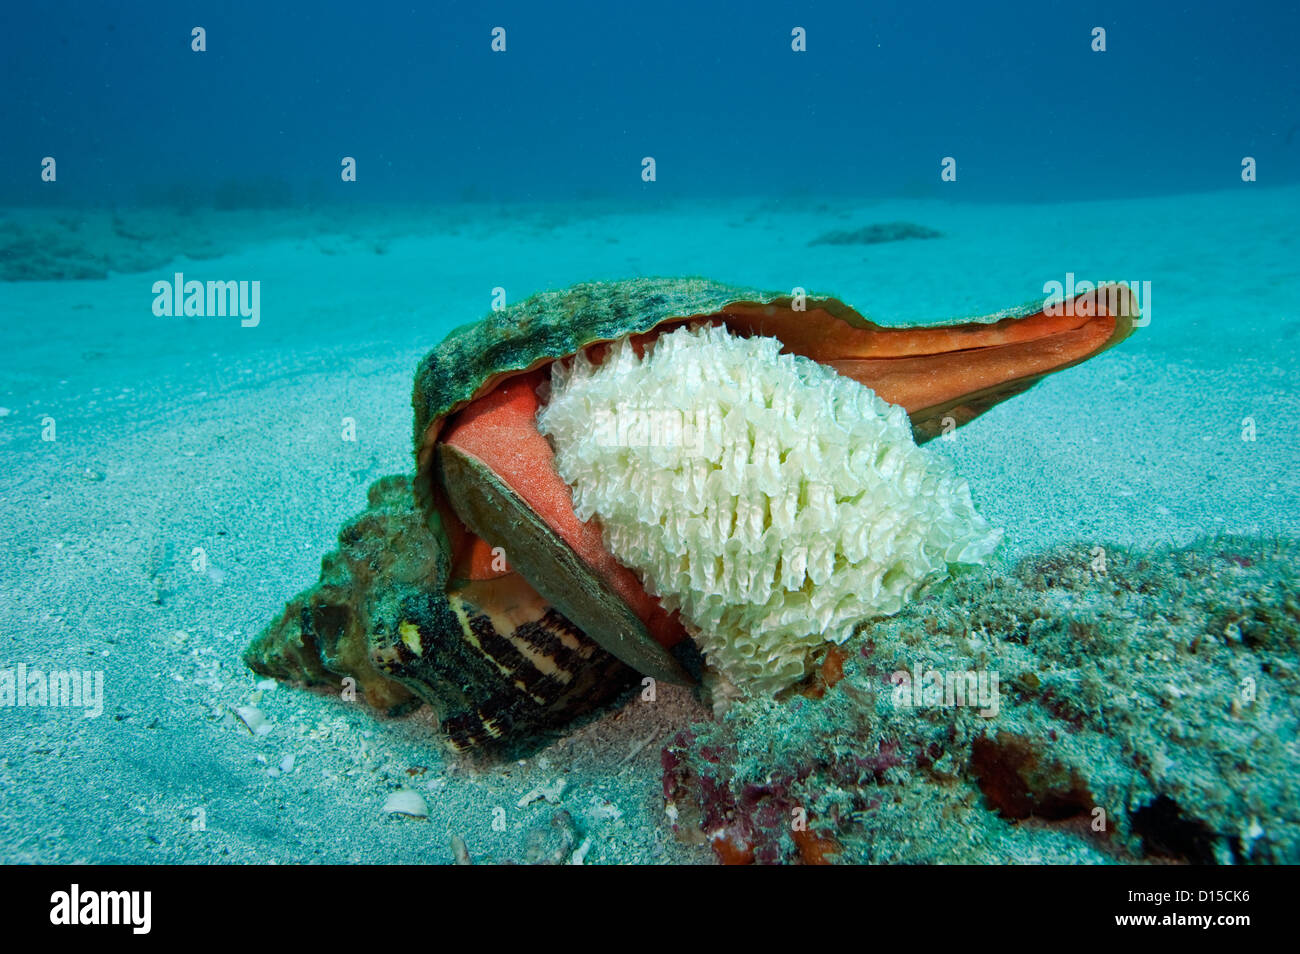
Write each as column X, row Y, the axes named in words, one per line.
column 930, row 369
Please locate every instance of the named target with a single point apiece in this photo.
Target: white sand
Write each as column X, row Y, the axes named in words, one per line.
column 177, row 433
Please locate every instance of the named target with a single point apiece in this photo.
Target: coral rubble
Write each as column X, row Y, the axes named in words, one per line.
column 1147, row 708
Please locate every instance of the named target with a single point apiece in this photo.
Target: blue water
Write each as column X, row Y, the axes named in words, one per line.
column 585, row 91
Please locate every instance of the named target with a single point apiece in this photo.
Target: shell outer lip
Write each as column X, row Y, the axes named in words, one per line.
column 500, row 516
column 925, row 421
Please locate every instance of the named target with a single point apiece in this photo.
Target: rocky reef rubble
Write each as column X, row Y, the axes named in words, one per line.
column 1086, row 705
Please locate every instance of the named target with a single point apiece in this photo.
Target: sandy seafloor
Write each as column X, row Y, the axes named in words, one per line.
column 182, row 433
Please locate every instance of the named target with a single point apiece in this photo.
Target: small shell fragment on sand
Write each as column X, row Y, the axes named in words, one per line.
column 406, row 801
column 459, row 850
column 254, row 719
column 579, row 855
column 550, row 793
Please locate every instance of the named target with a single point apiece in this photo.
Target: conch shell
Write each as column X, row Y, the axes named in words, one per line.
column 474, row 587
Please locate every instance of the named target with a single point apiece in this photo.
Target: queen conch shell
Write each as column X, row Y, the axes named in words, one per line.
column 476, row 586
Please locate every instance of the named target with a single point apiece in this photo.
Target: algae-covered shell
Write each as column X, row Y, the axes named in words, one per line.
column 473, row 586
column 554, row 324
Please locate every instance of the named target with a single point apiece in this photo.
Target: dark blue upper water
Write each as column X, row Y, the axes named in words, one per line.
column 584, row 91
